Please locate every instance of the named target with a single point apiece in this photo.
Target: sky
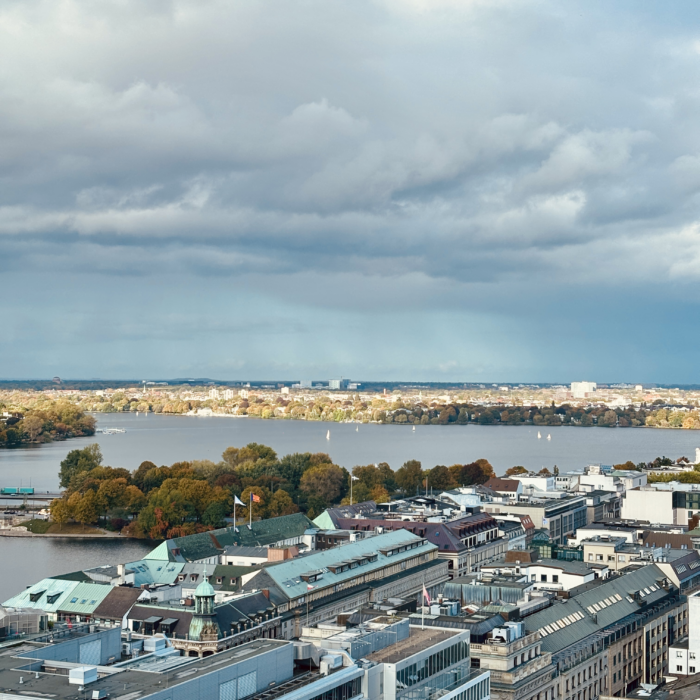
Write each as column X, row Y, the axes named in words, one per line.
column 442, row 190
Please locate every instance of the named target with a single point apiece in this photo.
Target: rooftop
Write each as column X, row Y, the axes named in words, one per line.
column 122, row 680
column 417, row 641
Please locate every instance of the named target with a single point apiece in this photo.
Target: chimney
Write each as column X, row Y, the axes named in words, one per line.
column 266, row 592
column 121, row 572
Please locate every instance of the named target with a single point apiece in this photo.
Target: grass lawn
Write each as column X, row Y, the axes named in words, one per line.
column 45, row 527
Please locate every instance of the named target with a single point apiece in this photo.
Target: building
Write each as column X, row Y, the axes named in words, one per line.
column 465, row 543
column 430, row 663
column 582, row 390
column 510, row 489
column 547, row 574
column 602, row 506
column 536, row 482
column 627, row 622
column 86, row 664
column 520, row 669
column 208, row 547
column 324, row 584
column 15, row 622
column 562, row 517
column 597, row 478
column 236, row 555
column 660, row 505
column 338, row 384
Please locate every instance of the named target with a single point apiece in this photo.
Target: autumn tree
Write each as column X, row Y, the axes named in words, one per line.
column 325, row 481
column 514, row 471
column 60, row 511
column 478, row 472
column 86, row 510
column 281, row 504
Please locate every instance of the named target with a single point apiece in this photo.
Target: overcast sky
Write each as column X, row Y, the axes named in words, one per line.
column 401, row 189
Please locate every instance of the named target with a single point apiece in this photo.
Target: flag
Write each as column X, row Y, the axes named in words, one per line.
column 355, row 478
column 309, row 587
column 238, row 501
column 425, row 595
column 254, row 498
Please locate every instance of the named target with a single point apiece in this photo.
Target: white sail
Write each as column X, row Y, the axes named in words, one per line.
column 539, row 435
column 549, row 437
column 414, row 428
column 328, row 435
column 357, row 430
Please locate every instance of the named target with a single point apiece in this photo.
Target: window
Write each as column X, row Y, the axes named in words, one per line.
column 679, row 668
column 621, row 557
column 543, row 578
column 555, row 578
column 599, row 557
column 691, row 669
column 679, row 654
column 590, row 557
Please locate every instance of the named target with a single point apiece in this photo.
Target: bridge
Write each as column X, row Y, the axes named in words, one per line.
column 42, row 496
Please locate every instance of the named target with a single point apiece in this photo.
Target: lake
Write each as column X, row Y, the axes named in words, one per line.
column 24, row 560
column 167, row 439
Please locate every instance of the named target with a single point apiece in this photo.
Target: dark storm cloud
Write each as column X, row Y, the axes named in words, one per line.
column 313, row 158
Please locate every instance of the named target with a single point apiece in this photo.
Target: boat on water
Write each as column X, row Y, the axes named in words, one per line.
column 549, row 437
column 539, row 435
column 357, row 430
column 328, row 435
column 110, row 431
column 414, row 428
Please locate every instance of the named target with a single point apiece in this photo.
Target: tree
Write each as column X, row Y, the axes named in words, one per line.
column 544, row 472
column 478, row 472
column 281, row 504
column 514, row 471
column 556, row 470
column 32, row 426
column 325, row 481
column 60, row 511
column 410, row 476
column 77, row 461
column 214, row 514
column 86, row 510
column 439, row 477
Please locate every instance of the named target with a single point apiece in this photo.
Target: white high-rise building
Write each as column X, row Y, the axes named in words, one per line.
column 580, row 390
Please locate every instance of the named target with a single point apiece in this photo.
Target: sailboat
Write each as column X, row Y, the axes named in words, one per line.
column 414, row 428
column 549, row 437
column 357, row 430
column 539, row 435
column 328, row 435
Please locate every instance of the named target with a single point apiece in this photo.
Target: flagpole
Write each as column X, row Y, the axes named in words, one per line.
column 250, row 512
column 422, row 606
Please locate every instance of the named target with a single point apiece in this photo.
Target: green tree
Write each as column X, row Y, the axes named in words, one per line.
column 439, row 477
column 78, row 461
column 410, row 476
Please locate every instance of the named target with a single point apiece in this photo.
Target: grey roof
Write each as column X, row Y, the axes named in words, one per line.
column 597, row 608
column 570, row 567
column 262, row 533
column 239, row 551
column 289, row 576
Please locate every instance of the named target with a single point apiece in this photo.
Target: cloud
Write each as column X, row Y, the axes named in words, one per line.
column 350, row 161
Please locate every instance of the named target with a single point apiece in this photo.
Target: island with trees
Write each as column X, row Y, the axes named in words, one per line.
column 186, row 497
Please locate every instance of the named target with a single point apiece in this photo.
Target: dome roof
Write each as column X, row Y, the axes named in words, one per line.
column 205, row 589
